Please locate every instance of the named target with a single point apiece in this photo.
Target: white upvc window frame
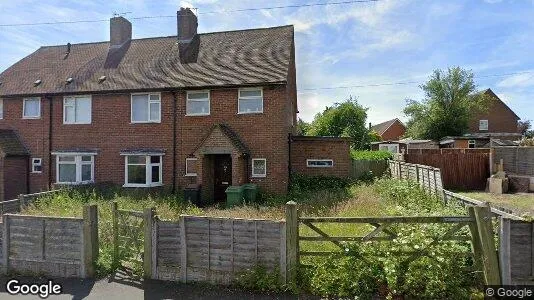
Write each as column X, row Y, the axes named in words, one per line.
column 239, row 98
column 483, row 128
column 148, row 108
column 148, row 170
column 254, row 175
column 471, row 142
column 38, row 116
column 319, row 160
column 187, row 173
column 37, row 162
column 187, row 100
column 75, row 98
column 78, row 162
column 1, row 108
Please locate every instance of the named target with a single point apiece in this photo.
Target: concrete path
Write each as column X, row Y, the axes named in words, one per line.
column 114, row 288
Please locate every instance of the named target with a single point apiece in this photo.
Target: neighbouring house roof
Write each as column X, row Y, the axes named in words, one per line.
column 404, row 141
column 491, row 93
column 10, row 144
column 499, row 142
column 242, row 57
column 382, row 127
column 479, row 136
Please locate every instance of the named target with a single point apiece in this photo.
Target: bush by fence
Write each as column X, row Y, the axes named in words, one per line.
column 366, row 168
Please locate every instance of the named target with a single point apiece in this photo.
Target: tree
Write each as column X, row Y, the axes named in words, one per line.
column 451, row 99
column 302, row 127
column 523, row 127
column 374, row 136
column 346, row 119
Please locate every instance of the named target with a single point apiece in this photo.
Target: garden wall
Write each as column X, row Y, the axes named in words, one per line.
column 215, row 250
column 311, row 147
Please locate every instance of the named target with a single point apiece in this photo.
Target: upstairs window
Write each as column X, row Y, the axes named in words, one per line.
column 146, row 108
column 143, row 170
column 483, row 125
column 31, row 108
column 319, row 163
column 1, row 109
column 74, row 169
column 250, row 101
column 77, row 110
column 198, row 103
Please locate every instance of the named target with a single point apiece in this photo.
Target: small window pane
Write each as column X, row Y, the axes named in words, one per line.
column 86, row 158
column 320, row 163
column 67, row 173
column 66, row 158
column 69, row 102
column 198, row 107
column 83, row 110
column 250, row 93
column 198, row 96
column 155, row 174
column 86, row 172
column 139, row 108
column 135, row 159
column 191, row 166
column 154, row 111
column 253, row 105
column 154, row 97
column 31, row 108
column 137, row 174
column 69, row 114
column 154, row 159
column 259, row 167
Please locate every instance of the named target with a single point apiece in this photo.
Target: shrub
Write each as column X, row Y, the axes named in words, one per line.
column 370, row 155
column 261, row 280
column 305, row 183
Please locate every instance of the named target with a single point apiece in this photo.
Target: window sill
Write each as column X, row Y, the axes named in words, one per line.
column 197, row 115
column 146, row 122
column 191, row 175
column 31, row 118
column 36, row 172
column 74, row 183
column 250, row 113
column 258, row 176
column 76, row 123
column 133, row 185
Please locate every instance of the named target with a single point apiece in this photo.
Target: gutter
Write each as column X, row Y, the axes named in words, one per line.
column 289, row 140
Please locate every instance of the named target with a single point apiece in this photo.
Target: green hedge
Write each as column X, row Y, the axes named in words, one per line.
column 370, row 155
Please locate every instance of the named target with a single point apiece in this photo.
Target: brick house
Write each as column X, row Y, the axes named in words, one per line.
column 498, row 123
column 391, row 130
column 214, row 109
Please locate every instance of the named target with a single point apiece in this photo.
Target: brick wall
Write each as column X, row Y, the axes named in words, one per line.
column 337, row 149
column 394, row 132
column 500, row 119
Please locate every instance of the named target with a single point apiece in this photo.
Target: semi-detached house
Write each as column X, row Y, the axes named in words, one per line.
column 214, row 109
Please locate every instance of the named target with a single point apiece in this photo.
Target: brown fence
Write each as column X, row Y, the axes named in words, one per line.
column 362, row 167
column 53, row 246
column 215, row 249
column 467, row 171
column 449, row 151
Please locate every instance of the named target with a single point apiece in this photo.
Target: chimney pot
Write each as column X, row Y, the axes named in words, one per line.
column 120, row 31
column 187, row 24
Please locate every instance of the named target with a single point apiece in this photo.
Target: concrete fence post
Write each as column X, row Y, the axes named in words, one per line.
column 22, row 203
column 292, row 242
column 90, row 239
column 504, row 250
column 148, row 218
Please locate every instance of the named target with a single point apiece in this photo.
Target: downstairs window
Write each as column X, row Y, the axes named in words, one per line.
column 74, row 169
column 143, row 170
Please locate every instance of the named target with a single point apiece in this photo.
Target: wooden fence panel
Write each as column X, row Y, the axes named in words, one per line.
column 215, row 250
column 44, row 245
column 516, row 251
column 458, row 170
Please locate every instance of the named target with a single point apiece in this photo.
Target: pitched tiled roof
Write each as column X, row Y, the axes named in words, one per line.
column 10, row 144
column 382, row 127
column 245, row 57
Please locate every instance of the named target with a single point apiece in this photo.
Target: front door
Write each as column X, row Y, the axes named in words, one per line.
column 223, row 176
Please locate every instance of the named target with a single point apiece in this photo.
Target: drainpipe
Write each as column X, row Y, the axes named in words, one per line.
column 28, row 174
column 50, row 115
column 174, row 100
column 289, row 161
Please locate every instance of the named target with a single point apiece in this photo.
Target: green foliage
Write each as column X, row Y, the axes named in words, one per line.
column 302, row 127
column 260, row 279
column 374, row 136
column 305, row 183
column 370, row 155
column 451, row 99
column 528, row 142
column 347, row 119
column 524, row 126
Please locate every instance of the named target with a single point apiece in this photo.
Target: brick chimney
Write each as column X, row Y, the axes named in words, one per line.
column 187, row 24
column 120, row 31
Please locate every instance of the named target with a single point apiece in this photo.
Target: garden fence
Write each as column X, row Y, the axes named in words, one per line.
column 16, row 205
column 516, row 160
column 360, row 168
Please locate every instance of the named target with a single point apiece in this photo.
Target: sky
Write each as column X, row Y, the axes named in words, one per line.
column 377, row 52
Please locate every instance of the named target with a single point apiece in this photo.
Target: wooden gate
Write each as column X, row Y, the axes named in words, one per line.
column 480, row 234
column 129, row 235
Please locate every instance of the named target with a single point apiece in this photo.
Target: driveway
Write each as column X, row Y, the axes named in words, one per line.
column 116, row 288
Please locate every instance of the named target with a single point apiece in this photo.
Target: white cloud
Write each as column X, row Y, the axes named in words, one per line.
column 518, row 81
